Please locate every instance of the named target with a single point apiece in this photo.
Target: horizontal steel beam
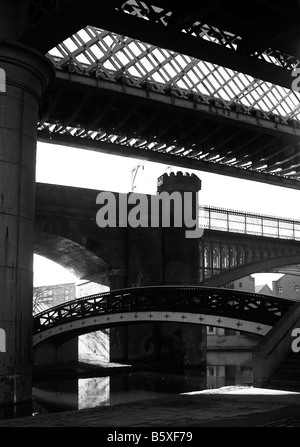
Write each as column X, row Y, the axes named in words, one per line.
column 159, row 157
column 225, row 115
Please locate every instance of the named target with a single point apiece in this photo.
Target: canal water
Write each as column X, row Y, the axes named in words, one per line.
column 53, row 395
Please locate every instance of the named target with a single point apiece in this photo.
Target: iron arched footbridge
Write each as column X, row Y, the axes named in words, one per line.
column 247, row 312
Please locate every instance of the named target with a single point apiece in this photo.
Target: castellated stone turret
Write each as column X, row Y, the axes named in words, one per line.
column 181, row 182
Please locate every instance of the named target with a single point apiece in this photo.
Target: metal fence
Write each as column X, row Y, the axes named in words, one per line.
column 247, row 223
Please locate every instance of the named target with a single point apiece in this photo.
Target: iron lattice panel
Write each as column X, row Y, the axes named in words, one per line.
column 192, row 26
column 107, row 55
column 124, row 62
column 194, row 21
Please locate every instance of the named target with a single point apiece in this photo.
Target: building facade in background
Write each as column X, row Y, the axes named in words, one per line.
column 229, row 353
column 288, row 286
column 50, row 296
column 92, row 347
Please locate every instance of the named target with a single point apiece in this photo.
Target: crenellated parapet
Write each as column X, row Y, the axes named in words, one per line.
column 181, row 182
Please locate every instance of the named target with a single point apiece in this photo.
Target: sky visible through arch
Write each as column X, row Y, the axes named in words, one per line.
column 87, row 169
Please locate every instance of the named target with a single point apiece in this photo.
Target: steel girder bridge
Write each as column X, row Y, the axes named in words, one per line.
column 234, row 242
column 243, row 311
column 206, row 86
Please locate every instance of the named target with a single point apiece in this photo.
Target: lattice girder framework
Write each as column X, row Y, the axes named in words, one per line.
column 191, row 22
column 263, row 32
column 115, row 89
column 224, row 256
column 111, row 56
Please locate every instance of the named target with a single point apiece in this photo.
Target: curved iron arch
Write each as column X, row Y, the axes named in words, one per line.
column 244, row 311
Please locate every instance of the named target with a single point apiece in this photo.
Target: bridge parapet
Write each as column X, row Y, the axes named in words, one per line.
column 233, row 221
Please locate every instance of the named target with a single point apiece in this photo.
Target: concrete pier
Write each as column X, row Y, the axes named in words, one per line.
column 27, row 75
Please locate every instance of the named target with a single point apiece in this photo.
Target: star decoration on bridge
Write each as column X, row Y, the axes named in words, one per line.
column 108, row 319
column 239, row 324
column 183, row 317
column 219, row 321
column 167, row 316
column 121, row 317
column 201, row 319
column 150, row 316
column 259, row 329
column 136, row 316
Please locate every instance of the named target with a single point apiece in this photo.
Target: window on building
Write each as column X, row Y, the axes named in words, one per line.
column 210, row 371
column 211, row 330
column 240, row 285
column 297, row 288
column 280, row 290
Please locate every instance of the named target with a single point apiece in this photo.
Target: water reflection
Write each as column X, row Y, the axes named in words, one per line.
column 81, row 393
column 229, row 375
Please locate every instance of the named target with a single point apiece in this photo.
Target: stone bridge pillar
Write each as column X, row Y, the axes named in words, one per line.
column 27, row 74
column 180, row 254
column 162, row 256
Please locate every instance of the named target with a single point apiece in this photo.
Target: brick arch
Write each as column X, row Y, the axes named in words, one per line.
column 75, row 258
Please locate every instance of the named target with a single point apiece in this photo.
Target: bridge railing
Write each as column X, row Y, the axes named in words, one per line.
column 261, row 309
column 246, row 223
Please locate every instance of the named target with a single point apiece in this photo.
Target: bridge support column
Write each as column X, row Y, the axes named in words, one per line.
column 52, row 353
column 118, row 341
column 27, row 75
column 181, row 261
column 165, row 256
column 181, row 265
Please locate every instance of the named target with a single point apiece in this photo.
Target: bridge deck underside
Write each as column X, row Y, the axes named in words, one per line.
column 129, row 121
column 205, row 86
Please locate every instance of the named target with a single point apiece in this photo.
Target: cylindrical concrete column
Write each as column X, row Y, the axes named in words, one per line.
column 27, row 75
